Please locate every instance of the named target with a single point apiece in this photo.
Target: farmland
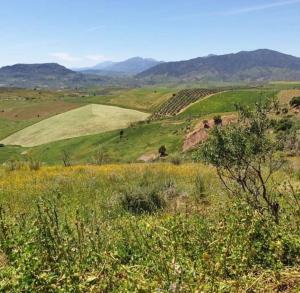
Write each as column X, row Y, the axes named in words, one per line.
column 86, row 120
column 225, row 102
column 180, row 101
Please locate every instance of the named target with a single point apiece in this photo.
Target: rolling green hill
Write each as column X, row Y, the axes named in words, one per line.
column 86, row 120
column 225, row 102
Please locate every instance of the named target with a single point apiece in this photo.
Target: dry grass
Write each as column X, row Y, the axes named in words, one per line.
column 33, row 110
column 285, row 96
column 90, row 119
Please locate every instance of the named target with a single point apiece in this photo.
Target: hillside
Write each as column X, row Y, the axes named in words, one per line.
column 259, row 65
column 45, row 75
column 90, row 119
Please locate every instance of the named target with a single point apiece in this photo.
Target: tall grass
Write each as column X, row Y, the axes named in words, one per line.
column 67, row 230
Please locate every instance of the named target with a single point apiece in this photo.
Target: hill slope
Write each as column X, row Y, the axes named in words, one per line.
column 259, row 65
column 90, row 119
column 44, row 75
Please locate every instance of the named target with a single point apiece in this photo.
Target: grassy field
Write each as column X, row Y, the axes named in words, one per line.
column 142, row 99
column 82, row 229
column 86, row 120
column 225, row 102
column 137, row 141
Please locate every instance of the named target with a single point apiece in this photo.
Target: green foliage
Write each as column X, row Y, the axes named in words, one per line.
column 295, row 102
column 218, row 120
column 245, row 157
column 162, row 151
column 200, row 187
column 284, row 124
column 226, row 101
column 48, row 251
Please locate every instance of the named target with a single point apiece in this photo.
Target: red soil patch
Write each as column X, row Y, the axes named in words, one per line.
column 201, row 133
column 37, row 110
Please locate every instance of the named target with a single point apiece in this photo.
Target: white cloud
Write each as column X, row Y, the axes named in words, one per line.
column 261, row 7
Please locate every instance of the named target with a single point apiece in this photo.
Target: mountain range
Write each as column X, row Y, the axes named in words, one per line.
column 128, row 67
column 259, row 65
column 253, row 66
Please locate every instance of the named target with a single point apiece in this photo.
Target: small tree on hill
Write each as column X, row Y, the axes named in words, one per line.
column 162, row 151
column 66, row 158
column 121, row 133
column 218, row 120
column 244, row 155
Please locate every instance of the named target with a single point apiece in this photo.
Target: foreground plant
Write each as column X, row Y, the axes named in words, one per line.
column 245, row 155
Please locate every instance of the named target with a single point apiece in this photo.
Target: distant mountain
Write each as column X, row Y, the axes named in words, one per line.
column 131, row 66
column 45, row 75
column 259, row 65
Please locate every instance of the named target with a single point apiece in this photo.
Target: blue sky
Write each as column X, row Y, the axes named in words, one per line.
column 79, row 33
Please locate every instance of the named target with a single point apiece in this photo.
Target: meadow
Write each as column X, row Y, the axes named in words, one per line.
column 85, row 120
column 225, row 102
column 80, row 215
column 138, row 228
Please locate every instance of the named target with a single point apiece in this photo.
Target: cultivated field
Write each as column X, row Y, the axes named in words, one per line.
column 225, row 102
column 180, row 101
column 86, row 120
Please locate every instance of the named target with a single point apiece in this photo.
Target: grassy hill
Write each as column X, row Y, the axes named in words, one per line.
column 79, row 122
column 225, row 102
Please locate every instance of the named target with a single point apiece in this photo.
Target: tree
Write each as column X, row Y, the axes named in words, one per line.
column 162, row 151
column 244, row 155
column 66, row 158
column 218, row 120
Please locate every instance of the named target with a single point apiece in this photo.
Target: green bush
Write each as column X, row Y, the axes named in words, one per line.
column 143, row 199
column 284, row 124
column 295, row 102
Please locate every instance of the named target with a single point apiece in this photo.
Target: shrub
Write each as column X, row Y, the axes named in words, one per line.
column 295, row 102
column 218, row 120
column 162, row 151
column 13, row 165
column 142, row 199
column 200, row 187
column 245, row 157
column 34, row 165
column 284, row 124
column 100, row 157
column 176, row 160
column 66, row 158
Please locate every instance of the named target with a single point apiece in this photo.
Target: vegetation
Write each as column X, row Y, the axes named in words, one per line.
column 226, row 102
column 245, row 158
column 94, row 228
column 86, row 120
column 295, row 102
column 160, row 227
column 180, row 101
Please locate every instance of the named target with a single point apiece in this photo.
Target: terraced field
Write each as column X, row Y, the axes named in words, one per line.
column 180, row 101
column 90, row 119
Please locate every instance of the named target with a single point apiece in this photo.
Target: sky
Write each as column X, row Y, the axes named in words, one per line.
column 79, row 33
